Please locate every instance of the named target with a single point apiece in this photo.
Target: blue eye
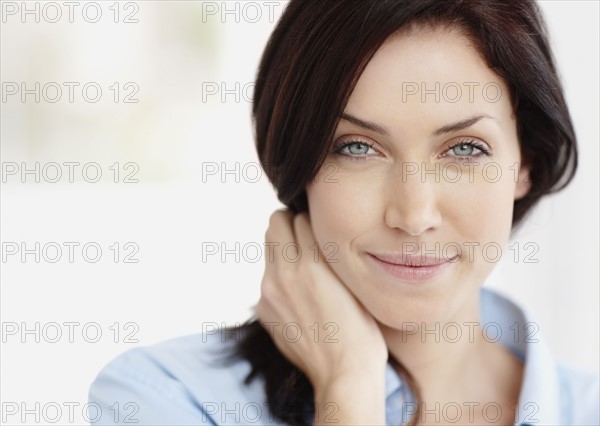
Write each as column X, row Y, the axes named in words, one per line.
column 356, row 150
column 468, row 151
column 465, row 150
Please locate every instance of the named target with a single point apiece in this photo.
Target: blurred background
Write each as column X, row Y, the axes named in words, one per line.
column 127, row 153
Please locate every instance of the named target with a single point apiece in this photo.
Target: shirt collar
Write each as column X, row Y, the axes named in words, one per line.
column 539, row 399
column 392, row 380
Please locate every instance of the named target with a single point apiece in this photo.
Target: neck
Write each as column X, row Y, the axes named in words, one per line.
column 449, row 368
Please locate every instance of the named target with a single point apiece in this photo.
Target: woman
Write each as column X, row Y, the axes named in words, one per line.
column 408, row 139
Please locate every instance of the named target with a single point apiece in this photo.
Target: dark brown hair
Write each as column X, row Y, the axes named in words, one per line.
column 308, row 70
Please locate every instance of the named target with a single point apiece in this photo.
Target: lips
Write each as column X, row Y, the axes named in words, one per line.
column 403, row 259
column 414, row 269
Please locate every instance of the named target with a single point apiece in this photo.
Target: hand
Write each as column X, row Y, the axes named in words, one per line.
column 334, row 336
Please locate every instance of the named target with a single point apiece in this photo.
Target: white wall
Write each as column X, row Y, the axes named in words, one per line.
column 169, row 53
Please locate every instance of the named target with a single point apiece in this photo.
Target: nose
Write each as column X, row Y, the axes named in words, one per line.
column 412, row 204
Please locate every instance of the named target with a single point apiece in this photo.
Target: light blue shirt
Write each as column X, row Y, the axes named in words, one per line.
column 175, row 383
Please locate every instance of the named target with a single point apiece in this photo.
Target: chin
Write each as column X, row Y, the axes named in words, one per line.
column 398, row 308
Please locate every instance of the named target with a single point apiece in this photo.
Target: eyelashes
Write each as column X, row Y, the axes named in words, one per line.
column 471, row 145
column 343, row 145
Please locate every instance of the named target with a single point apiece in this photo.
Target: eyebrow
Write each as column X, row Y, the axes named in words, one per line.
column 459, row 125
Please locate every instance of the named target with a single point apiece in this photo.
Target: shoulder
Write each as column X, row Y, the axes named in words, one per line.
column 179, row 381
column 563, row 393
column 581, row 394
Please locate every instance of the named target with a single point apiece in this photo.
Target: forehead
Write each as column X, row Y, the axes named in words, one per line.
column 428, row 72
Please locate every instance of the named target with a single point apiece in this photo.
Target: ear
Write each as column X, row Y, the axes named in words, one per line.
column 523, row 184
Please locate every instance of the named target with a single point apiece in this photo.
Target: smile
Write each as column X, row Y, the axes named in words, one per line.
column 410, row 267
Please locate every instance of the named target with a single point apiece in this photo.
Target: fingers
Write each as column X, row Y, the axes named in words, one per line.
column 280, row 228
column 279, row 274
column 293, row 240
column 306, row 239
column 279, row 233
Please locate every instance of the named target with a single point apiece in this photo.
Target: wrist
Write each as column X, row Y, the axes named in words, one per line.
column 351, row 375
column 357, row 398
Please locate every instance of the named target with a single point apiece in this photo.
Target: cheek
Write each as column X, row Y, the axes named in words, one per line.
column 480, row 218
column 340, row 211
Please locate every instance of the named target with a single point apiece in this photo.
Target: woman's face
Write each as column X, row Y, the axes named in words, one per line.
column 407, row 185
